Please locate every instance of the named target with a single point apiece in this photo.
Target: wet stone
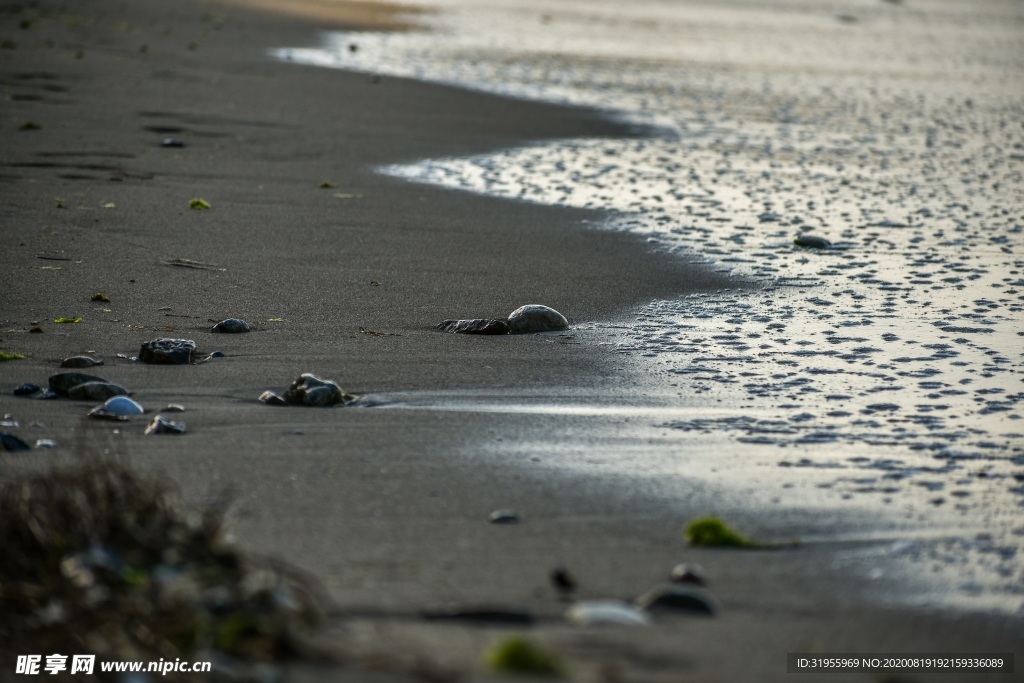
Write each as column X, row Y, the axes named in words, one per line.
column 678, row 598
column 476, row 326
column 272, row 399
column 535, row 318
column 812, row 242
column 64, row 382
column 168, row 352
column 12, row 443
column 503, row 517
column 310, row 390
column 161, row 425
column 96, row 391
column 606, row 612
column 173, row 408
column 80, row 362
column 688, row 573
column 231, row 326
column 120, row 406
column 46, row 443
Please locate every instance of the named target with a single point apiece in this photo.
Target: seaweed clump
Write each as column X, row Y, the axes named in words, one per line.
column 713, row 532
column 98, row 558
column 520, row 657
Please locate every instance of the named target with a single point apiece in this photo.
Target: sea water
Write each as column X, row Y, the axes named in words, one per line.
column 890, row 363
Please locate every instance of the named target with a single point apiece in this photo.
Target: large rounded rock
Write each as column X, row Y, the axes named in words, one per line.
column 62, row 383
column 476, row 326
column 96, row 391
column 535, row 318
column 168, row 352
column 678, row 598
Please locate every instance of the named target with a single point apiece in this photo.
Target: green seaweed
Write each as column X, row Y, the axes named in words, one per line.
column 713, row 532
column 68, row 320
column 326, row 185
column 5, row 356
column 100, row 296
column 518, row 656
column 198, row 204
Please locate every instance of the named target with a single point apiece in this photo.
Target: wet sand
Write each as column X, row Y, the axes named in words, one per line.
column 386, row 506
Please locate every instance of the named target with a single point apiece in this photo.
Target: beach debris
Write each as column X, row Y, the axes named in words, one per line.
column 168, row 351
column 161, row 425
column 688, row 573
column 189, row 263
column 606, row 612
column 494, row 616
column 309, row 390
column 563, row 581
column 96, row 391
column 100, row 296
column 117, row 407
column 6, row 356
column 812, row 242
column 171, row 142
column 12, row 443
column 80, row 362
column 712, row 531
column 506, row 516
column 477, row 326
column 27, row 389
column 198, row 203
column 113, row 550
column 679, row 598
column 535, row 318
column 231, row 326
column 68, row 321
column 519, row 656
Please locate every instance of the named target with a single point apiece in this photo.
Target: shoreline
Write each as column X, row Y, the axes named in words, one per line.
column 408, row 494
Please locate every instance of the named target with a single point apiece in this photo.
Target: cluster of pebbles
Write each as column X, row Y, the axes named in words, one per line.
column 306, row 390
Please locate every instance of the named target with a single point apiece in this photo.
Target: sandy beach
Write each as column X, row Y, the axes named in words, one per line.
column 344, row 273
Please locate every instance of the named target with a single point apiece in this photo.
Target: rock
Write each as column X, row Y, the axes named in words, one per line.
column 173, row 408
column 96, row 391
column 812, row 242
column 272, row 399
column 161, row 425
column 310, row 390
column 80, row 362
column 231, row 326
column 563, row 581
column 27, row 389
column 120, row 406
column 477, row 326
column 678, row 598
column 171, row 142
column 688, row 573
column 168, row 352
column 64, row 382
column 46, row 443
column 12, row 443
column 503, row 517
column 611, row 612
column 535, row 318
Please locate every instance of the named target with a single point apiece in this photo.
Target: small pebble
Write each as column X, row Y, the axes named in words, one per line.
column 504, row 517
column 46, row 443
column 119, row 405
column 688, row 573
column 27, row 389
column 173, row 408
column 678, row 598
column 812, row 242
column 161, row 425
column 477, row 326
column 80, row 362
column 606, row 612
column 171, row 142
column 231, row 326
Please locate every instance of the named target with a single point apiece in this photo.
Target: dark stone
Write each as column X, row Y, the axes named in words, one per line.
column 535, row 318
column 27, row 390
column 217, row 354
column 812, row 242
column 64, row 382
column 161, row 425
column 678, row 598
column 477, row 326
column 171, row 142
column 168, row 352
column 272, row 399
column 80, row 362
column 96, row 391
column 231, row 326
column 688, row 573
column 12, row 443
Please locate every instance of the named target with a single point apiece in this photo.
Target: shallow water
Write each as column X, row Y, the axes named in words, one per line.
column 890, row 365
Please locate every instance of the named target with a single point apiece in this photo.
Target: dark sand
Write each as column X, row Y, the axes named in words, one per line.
column 387, row 507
